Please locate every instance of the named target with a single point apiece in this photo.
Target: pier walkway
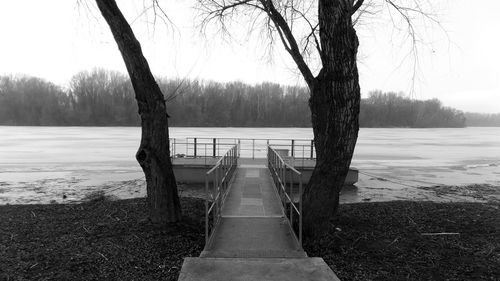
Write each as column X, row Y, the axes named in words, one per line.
column 253, row 240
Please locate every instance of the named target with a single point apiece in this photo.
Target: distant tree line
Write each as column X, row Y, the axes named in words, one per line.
column 482, row 119
column 395, row 110
column 236, row 104
column 106, row 98
column 97, row 98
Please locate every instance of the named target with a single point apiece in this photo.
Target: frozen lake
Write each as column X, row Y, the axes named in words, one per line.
column 65, row 159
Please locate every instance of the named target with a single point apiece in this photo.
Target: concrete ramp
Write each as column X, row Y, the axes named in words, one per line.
column 258, row 269
column 253, row 238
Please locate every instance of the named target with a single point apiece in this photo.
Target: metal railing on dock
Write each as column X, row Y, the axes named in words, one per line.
column 283, row 174
column 217, row 183
column 248, row 147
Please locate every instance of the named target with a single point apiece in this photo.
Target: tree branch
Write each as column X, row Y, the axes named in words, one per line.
column 287, row 37
column 356, row 6
column 408, row 12
column 311, row 34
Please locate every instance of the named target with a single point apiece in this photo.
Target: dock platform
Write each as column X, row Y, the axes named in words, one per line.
column 192, row 170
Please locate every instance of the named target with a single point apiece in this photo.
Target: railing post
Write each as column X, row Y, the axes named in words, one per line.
column 253, row 148
column 173, row 148
column 312, row 149
column 283, row 177
column 214, row 144
column 300, row 210
column 293, row 145
column 206, row 209
column 217, row 190
column 195, row 141
column 291, row 198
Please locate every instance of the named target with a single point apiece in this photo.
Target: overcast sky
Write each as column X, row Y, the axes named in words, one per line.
column 54, row 39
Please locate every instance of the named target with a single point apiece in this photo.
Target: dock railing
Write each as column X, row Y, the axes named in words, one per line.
column 217, row 183
column 195, row 147
column 204, row 151
column 284, row 175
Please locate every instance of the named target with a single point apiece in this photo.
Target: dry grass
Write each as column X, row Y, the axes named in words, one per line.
column 112, row 240
column 385, row 241
column 97, row 240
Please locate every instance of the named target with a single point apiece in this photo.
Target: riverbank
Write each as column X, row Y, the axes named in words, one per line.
column 106, row 240
column 71, row 182
column 126, row 185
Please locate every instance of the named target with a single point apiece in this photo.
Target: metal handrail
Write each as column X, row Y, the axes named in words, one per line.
column 220, row 175
column 252, row 147
column 279, row 170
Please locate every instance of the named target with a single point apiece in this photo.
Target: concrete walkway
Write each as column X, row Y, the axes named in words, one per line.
column 253, row 240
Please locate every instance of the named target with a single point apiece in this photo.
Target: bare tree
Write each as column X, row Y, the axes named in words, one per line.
column 154, row 153
column 317, row 31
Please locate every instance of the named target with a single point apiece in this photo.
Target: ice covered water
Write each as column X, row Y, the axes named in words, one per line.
column 77, row 157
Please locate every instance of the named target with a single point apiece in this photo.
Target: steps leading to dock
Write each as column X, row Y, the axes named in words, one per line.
column 258, row 269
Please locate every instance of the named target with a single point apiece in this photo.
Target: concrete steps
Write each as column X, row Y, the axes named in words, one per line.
column 258, row 269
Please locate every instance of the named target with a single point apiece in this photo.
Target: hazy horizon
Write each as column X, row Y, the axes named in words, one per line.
column 55, row 39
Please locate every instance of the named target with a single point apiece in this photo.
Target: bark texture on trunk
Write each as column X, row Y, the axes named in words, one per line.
column 153, row 154
column 334, row 103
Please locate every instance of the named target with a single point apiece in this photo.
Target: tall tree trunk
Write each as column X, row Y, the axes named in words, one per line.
column 334, row 104
column 153, row 154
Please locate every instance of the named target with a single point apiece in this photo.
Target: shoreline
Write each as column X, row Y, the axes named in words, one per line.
column 62, row 189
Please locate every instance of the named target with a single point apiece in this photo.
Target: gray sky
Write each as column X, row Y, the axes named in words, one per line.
column 54, row 39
